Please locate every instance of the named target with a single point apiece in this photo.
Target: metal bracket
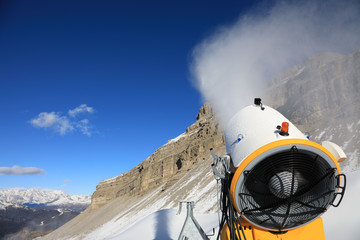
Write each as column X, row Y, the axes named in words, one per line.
column 191, row 228
column 220, row 162
column 341, row 190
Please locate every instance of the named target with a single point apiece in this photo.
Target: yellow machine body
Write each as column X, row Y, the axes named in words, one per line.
column 311, row 231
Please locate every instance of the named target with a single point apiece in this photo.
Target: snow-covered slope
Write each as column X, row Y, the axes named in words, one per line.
column 346, row 217
column 43, row 197
column 164, row 224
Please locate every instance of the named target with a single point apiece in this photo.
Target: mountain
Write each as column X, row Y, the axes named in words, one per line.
column 322, row 96
column 28, row 213
column 319, row 96
column 4, row 204
column 44, row 199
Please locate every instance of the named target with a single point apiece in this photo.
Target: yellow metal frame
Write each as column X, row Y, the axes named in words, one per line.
column 311, row 231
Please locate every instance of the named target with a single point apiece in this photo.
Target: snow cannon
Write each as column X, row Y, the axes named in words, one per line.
column 276, row 183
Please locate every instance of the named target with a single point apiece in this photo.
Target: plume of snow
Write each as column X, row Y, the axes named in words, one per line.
column 232, row 66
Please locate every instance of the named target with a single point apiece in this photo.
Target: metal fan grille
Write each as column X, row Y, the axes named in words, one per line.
column 299, row 196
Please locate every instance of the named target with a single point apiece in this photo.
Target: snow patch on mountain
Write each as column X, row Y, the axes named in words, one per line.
column 347, row 136
column 109, row 180
column 4, row 205
column 177, row 138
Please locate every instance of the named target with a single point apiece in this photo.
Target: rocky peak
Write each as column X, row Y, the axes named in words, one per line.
column 205, row 111
column 168, row 163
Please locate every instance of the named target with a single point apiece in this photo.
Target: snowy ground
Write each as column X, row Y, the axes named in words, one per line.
column 164, row 224
column 339, row 223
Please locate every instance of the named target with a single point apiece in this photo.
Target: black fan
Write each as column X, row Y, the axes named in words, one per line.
column 287, row 189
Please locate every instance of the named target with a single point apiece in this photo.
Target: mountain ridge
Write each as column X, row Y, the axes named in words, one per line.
column 45, row 198
column 28, row 213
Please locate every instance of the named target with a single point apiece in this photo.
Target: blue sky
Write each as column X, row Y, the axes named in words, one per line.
column 89, row 89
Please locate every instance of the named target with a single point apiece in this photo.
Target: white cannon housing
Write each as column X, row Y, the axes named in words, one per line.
column 282, row 180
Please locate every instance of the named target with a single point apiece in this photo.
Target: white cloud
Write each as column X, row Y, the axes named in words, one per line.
column 45, row 120
column 67, row 180
column 63, row 124
column 83, row 108
column 17, row 170
column 84, row 127
column 59, row 124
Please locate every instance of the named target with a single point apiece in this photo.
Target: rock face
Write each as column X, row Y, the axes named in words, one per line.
column 168, row 163
column 325, row 87
column 322, row 97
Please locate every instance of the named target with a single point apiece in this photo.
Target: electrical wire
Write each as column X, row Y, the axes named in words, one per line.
column 229, row 215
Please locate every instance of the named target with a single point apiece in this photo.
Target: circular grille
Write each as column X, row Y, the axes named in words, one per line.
column 287, row 189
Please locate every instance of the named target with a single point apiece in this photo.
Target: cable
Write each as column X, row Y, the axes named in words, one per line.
column 218, row 199
column 228, row 211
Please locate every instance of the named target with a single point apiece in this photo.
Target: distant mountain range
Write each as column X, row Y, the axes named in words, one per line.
column 43, row 199
column 29, row 213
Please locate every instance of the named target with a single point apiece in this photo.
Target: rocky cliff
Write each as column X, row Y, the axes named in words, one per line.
column 322, row 96
column 168, row 163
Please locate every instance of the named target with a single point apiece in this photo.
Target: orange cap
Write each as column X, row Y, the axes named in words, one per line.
column 285, row 127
